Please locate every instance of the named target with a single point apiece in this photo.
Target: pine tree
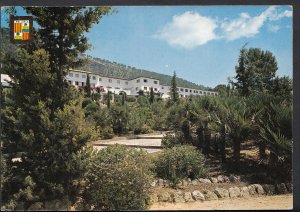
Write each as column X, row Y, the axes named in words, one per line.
column 44, row 121
column 173, row 89
column 87, row 88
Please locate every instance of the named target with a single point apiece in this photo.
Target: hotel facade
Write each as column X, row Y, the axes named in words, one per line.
column 130, row 86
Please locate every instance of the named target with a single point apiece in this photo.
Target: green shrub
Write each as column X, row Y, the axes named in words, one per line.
column 118, row 178
column 170, row 141
column 130, row 98
column 86, row 101
column 180, row 162
column 91, row 109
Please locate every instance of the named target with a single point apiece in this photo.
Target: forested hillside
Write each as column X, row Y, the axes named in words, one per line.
column 113, row 69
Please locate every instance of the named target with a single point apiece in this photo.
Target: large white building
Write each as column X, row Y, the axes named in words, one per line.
column 130, row 87
column 118, row 85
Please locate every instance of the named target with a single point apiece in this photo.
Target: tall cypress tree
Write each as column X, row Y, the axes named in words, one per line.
column 173, row 89
column 87, row 87
column 151, row 99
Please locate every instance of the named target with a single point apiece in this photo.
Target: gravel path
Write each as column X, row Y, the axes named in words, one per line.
column 278, row 202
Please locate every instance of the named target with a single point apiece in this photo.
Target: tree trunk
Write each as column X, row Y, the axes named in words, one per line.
column 206, row 141
column 262, row 151
column 223, row 146
column 200, row 135
column 236, row 150
column 216, row 144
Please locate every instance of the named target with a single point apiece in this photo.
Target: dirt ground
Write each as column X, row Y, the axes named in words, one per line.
column 277, row 202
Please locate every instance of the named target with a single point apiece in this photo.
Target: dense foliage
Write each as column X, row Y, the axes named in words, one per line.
column 117, row 178
column 180, row 162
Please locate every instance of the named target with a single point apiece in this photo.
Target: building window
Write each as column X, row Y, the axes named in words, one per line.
column 82, row 83
column 136, row 88
column 181, row 89
column 200, row 92
column 155, row 89
column 70, row 82
column 190, row 91
column 204, row 93
column 76, row 83
column 145, row 88
column 145, row 80
column 83, row 76
column 70, row 74
column 92, row 85
column 138, row 81
column 162, row 87
column 94, row 77
column 109, row 80
column 181, row 95
column 186, row 90
column 118, row 81
column 117, row 88
column 155, row 82
column 100, row 79
column 76, row 75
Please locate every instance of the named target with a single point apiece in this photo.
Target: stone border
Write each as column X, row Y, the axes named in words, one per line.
column 221, row 193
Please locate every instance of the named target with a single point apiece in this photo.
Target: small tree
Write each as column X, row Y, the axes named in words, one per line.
column 87, row 88
column 173, row 89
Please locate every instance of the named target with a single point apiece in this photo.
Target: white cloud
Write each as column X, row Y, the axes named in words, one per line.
column 188, row 30
column 247, row 26
column 273, row 28
column 191, row 29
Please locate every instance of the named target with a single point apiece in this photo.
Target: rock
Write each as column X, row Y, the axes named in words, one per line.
column 20, row 206
column 214, row 180
column 281, row 188
column 259, row 189
column 197, row 195
column 269, row 189
column 178, row 197
column 188, row 197
column 153, row 184
column 234, row 178
column 38, row 206
column 234, row 192
column 194, row 182
column 221, row 192
column 244, row 192
column 153, row 198
column 289, row 187
column 202, row 180
column 226, row 179
column 209, row 195
column 184, row 183
column 252, row 190
column 220, row 179
column 179, row 184
column 160, row 182
column 166, row 183
column 164, row 197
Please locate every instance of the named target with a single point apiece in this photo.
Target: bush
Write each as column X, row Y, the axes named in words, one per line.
column 130, row 98
column 91, row 109
column 170, row 141
column 118, row 178
column 180, row 162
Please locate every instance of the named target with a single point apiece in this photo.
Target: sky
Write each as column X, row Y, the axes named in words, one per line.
column 200, row 43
